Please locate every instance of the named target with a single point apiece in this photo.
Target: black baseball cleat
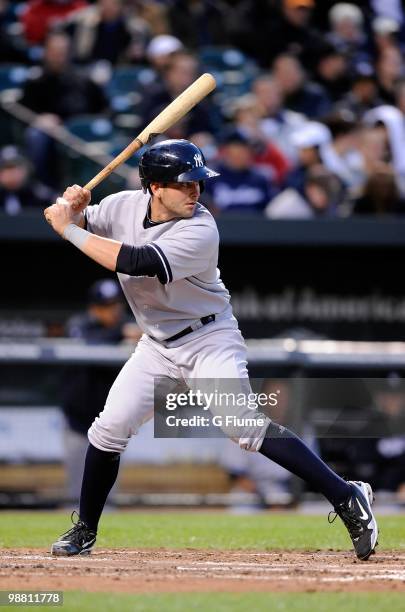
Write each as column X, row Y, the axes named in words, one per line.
column 79, row 540
column 359, row 519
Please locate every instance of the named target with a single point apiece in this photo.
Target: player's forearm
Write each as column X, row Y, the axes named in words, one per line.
column 147, row 260
column 102, row 250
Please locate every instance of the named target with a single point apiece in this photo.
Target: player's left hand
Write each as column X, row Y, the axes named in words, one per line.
column 60, row 215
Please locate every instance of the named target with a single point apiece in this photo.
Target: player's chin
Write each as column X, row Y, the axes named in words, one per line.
column 188, row 209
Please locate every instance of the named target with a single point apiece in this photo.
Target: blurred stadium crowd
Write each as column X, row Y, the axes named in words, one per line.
column 307, row 120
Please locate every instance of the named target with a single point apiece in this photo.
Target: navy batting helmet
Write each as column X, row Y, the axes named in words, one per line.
column 173, row 161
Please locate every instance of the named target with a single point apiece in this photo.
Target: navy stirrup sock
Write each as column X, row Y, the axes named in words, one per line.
column 285, row 448
column 99, row 476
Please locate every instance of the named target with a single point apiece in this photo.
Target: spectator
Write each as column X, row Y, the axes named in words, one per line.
column 85, row 388
column 341, row 155
column 180, row 73
column 386, row 33
column 267, row 32
column 278, row 123
column 100, row 32
column 389, row 68
column 199, row 23
column 294, row 34
column 373, row 148
column 246, row 117
column 390, row 450
column 381, row 195
column 58, row 93
column 18, row 190
column 332, row 72
column 160, row 51
column 59, row 89
column 321, row 197
column 347, row 33
column 307, row 140
column 300, row 95
column 241, row 187
column 390, row 121
column 152, row 13
column 39, row 15
column 362, row 95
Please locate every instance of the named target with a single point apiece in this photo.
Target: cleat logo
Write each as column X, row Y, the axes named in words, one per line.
column 364, row 514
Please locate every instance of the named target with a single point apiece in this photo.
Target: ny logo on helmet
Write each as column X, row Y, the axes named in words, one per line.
column 198, row 160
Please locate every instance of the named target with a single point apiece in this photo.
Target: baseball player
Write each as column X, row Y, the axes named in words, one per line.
column 163, row 244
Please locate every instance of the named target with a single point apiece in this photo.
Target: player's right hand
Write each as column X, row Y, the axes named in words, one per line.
column 59, row 215
column 78, row 197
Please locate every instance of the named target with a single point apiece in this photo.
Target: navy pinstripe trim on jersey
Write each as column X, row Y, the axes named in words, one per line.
column 141, row 261
column 165, row 262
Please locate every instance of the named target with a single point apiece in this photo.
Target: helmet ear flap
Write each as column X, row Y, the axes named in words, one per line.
column 146, row 186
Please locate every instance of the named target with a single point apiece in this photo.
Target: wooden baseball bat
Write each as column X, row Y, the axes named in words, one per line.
column 168, row 117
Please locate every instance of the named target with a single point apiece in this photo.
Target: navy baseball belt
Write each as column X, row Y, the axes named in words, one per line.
column 197, row 325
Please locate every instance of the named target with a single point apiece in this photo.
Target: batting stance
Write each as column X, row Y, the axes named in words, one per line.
column 163, row 244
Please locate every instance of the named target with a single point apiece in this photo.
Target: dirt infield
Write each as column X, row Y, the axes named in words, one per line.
column 163, row 570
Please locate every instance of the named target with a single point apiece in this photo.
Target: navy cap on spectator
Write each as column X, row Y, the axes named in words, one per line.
column 233, row 136
column 11, row 156
column 328, row 49
column 363, row 72
column 104, row 292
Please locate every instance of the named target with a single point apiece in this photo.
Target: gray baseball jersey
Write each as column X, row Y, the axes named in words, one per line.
column 189, row 286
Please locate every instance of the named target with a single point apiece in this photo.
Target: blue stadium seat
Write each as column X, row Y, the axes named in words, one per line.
column 127, row 79
column 90, row 128
column 119, row 145
column 225, row 58
column 13, row 76
column 125, row 88
column 232, row 70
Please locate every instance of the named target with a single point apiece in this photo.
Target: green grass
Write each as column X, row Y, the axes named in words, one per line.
column 265, row 531
column 232, row 602
column 216, row 531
